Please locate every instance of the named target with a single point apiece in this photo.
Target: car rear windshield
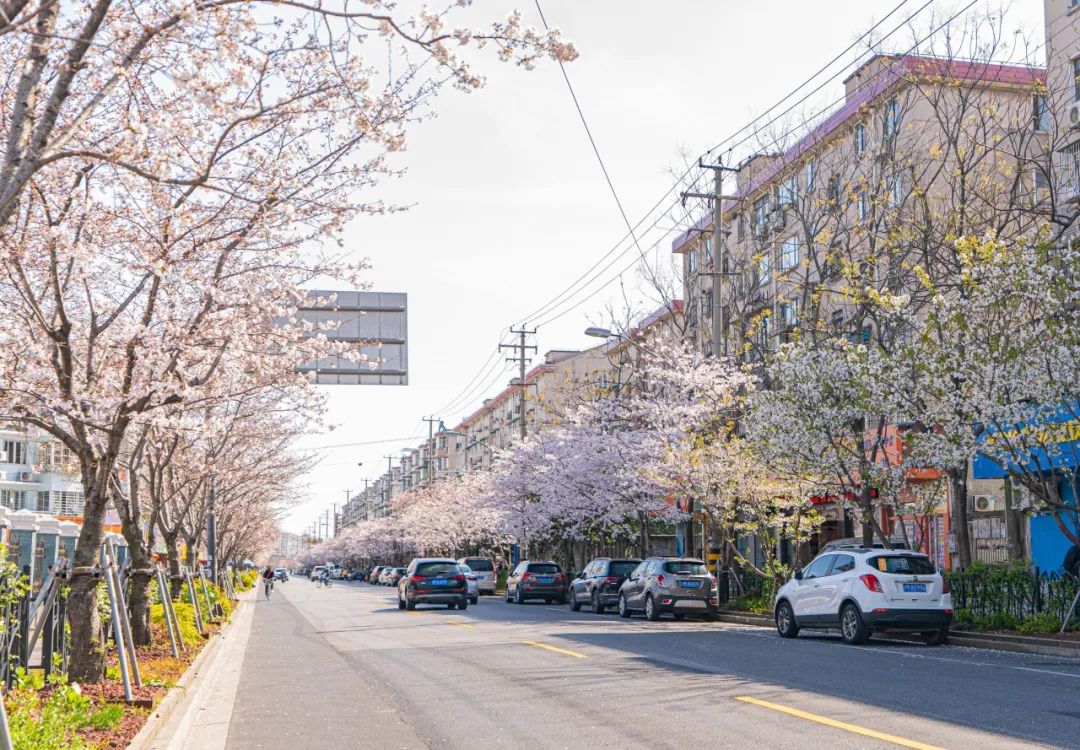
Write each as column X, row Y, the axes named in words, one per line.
column 686, row 568
column 437, row 569
column 903, row 564
column 543, row 568
column 479, row 563
column 620, row 568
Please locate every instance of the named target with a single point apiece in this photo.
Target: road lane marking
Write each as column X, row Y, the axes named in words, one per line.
column 460, row 624
column 556, row 649
column 853, row 728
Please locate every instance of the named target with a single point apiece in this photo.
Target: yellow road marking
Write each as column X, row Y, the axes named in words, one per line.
column 556, row 649
column 853, row 728
column 460, row 624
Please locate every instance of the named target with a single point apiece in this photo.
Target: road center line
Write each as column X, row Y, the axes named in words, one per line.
column 853, row 728
column 556, row 649
column 460, row 624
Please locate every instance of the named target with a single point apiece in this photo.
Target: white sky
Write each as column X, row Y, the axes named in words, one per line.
column 510, row 205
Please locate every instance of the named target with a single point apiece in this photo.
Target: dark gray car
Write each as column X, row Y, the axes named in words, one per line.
column 677, row 585
column 597, row 586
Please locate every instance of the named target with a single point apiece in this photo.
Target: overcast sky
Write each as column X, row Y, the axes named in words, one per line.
column 509, row 205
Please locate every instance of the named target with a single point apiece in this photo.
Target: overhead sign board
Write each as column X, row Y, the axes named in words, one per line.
column 376, row 322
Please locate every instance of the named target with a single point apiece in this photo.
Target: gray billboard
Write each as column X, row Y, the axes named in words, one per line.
column 376, row 322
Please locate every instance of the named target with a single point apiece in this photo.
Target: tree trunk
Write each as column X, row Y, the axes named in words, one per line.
column 958, row 492
column 173, row 549
column 139, row 598
column 191, row 559
column 87, row 661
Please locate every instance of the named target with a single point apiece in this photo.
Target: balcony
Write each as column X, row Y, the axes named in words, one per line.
column 1067, row 172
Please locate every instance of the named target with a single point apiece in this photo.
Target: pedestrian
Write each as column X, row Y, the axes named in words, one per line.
column 1072, row 561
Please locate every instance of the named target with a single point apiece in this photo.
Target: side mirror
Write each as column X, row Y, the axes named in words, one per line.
column 798, row 575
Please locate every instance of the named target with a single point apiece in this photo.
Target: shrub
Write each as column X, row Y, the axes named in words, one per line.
column 1044, row 622
column 107, row 717
column 185, row 616
column 46, row 721
column 755, row 602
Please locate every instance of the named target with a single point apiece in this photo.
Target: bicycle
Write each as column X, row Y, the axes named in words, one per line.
column 268, row 586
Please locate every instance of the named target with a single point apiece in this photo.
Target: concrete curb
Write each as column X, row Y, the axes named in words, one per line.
column 176, row 707
column 995, row 641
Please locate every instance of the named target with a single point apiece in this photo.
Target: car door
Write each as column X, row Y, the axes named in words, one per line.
column 833, row 586
column 806, row 598
column 635, row 584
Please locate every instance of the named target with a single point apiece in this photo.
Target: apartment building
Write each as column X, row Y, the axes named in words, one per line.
column 1063, row 97
column 39, row 474
column 814, row 223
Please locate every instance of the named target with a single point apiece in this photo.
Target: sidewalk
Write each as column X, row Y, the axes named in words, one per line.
column 197, row 712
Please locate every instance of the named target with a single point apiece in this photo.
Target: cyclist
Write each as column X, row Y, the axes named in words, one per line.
column 268, row 580
column 324, row 577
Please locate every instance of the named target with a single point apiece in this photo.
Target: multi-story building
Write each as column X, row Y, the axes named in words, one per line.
column 1063, row 98
column 38, row 473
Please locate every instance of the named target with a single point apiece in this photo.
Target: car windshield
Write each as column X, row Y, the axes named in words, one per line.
column 543, row 568
column 622, row 568
column 437, row 569
column 903, row 564
column 480, row 563
column 685, row 568
column 465, row 569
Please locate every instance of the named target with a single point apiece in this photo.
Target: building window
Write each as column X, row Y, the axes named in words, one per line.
column 860, row 139
column 1076, row 78
column 707, row 245
column 763, row 333
column 13, row 452
column 691, row 261
column 12, row 499
column 789, row 253
column 787, row 191
column 764, row 269
column 808, row 176
column 895, row 187
column 706, row 303
column 834, row 189
column 740, row 228
column 892, row 119
column 789, row 313
column 761, row 213
column 837, row 320
column 864, row 206
column 1040, row 113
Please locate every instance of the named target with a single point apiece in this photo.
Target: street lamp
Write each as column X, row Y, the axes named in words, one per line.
column 601, row 333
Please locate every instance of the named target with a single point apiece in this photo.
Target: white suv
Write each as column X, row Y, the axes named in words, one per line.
column 860, row 590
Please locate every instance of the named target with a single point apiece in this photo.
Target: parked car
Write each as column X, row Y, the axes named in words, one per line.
column 598, row 584
column 356, row 574
column 394, row 575
column 472, row 582
column 433, row 580
column 668, row 584
column 863, row 590
column 384, row 575
column 316, row 572
column 536, row 579
column 280, row 574
column 373, row 576
column 856, row 541
column 485, row 573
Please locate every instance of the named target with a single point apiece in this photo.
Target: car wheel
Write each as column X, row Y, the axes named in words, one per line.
column 785, row 621
column 680, row 616
column 651, row 612
column 518, row 597
column 463, row 604
column 575, row 605
column 451, row 605
column 410, row 604
column 400, row 603
column 624, row 610
column 474, row 600
column 507, row 594
column 936, row 637
column 852, row 627
column 597, row 607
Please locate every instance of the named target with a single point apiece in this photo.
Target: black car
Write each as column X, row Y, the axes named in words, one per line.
column 433, row 580
column 536, row 579
column 598, row 584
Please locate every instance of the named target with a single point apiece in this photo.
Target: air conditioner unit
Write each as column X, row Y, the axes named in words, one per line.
column 26, row 476
column 1074, row 115
column 986, row 503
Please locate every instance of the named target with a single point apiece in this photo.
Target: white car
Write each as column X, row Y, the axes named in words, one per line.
column 316, row 572
column 472, row 584
column 484, row 568
column 861, row 590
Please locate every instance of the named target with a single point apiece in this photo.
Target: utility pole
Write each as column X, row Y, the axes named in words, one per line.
column 211, row 535
column 431, row 421
column 521, row 358
column 389, row 480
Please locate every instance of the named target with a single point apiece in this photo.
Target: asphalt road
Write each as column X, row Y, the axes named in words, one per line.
column 344, row 668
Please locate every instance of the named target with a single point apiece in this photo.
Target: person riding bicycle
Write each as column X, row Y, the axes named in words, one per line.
column 268, row 580
column 324, row 577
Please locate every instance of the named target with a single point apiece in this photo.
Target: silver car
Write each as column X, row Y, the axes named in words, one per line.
column 472, row 583
column 668, row 584
column 484, row 568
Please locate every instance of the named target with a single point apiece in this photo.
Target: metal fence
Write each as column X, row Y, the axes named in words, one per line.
column 1009, row 590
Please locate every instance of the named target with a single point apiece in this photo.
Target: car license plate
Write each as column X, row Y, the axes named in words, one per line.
column 439, row 581
column 544, row 579
column 915, row 588
column 690, row 584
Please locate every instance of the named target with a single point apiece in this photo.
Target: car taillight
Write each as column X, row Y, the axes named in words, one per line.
column 871, row 582
column 527, row 577
column 945, row 587
column 660, row 580
column 611, row 579
column 559, row 577
column 417, row 579
column 460, row 578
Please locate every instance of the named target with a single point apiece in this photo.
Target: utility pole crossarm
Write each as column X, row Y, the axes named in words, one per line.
column 521, row 350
